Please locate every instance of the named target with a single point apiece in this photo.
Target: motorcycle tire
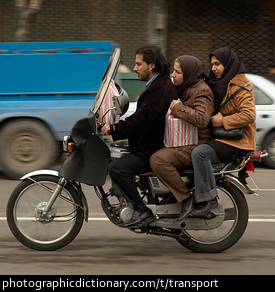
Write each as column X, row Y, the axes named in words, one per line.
column 34, row 231
column 205, row 241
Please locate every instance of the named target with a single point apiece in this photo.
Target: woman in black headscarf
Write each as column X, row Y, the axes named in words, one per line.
column 226, row 77
column 195, row 104
column 232, row 66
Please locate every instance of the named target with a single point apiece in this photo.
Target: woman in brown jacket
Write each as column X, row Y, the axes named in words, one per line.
column 226, row 77
column 195, row 105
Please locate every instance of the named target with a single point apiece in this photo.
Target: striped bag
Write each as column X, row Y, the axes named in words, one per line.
column 111, row 117
column 179, row 132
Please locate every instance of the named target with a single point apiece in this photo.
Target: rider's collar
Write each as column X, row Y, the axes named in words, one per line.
column 148, row 83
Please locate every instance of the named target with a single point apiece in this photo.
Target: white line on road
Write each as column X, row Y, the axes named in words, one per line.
column 263, row 190
column 32, row 218
column 260, row 220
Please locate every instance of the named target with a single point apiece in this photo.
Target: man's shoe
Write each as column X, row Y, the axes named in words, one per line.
column 204, row 208
column 137, row 218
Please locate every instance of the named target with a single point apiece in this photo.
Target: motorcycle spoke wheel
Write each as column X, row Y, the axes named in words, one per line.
column 61, row 224
column 229, row 232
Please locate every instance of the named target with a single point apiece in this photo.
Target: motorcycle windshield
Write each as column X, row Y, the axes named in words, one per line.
column 110, row 74
column 89, row 163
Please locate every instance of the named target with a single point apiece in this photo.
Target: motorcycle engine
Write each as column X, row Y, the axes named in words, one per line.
column 126, row 214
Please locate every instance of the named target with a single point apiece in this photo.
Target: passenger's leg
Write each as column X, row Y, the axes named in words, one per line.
column 205, row 184
column 166, row 166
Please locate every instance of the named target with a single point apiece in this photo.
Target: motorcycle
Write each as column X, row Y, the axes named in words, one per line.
column 47, row 209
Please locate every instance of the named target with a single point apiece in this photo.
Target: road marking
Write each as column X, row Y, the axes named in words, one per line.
column 263, row 190
column 32, row 218
column 259, row 220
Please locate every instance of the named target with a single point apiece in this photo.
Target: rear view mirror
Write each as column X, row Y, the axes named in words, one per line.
column 117, row 106
column 121, row 104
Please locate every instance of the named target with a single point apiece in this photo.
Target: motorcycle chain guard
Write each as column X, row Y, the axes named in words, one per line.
column 168, row 214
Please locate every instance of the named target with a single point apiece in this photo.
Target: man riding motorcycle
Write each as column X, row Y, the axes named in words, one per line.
column 144, row 129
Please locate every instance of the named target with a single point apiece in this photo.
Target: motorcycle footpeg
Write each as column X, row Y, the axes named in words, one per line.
column 144, row 223
column 148, row 220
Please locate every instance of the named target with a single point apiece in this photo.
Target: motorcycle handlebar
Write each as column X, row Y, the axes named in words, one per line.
column 256, row 156
column 100, row 126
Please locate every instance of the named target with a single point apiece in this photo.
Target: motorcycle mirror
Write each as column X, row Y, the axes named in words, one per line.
column 117, row 106
column 120, row 104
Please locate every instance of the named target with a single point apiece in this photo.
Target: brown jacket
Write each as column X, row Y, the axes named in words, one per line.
column 242, row 113
column 196, row 108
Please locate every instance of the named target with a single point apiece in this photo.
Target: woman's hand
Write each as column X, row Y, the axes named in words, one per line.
column 217, row 120
column 174, row 102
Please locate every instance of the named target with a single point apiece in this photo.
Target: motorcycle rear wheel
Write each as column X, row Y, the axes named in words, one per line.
column 62, row 223
column 230, row 231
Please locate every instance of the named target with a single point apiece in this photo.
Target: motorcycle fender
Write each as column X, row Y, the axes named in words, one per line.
column 40, row 172
column 55, row 173
column 236, row 182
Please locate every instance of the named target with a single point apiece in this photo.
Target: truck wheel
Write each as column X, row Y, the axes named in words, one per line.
column 26, row 145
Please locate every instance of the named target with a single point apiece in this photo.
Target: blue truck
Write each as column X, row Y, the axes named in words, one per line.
column 44, row 89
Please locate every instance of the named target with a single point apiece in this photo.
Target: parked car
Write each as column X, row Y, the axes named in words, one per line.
column 264, row 93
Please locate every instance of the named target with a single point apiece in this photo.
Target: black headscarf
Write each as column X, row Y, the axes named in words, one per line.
column 193, row 70
column 233, row 65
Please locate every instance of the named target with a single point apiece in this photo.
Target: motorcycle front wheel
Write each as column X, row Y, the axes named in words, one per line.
column 229, row 232
column 34, row 229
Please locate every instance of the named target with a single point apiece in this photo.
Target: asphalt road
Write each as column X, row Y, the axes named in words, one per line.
column 103, row 248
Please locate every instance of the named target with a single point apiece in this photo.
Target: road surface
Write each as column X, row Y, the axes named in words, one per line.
column 103, row 248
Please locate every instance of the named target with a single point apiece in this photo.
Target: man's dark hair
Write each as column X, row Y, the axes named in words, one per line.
column 153, row 54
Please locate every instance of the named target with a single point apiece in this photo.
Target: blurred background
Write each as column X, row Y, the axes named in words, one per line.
column 180, row 27
column 45, row 88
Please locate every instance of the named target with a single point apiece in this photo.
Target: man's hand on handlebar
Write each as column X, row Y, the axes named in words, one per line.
column 105, row 129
